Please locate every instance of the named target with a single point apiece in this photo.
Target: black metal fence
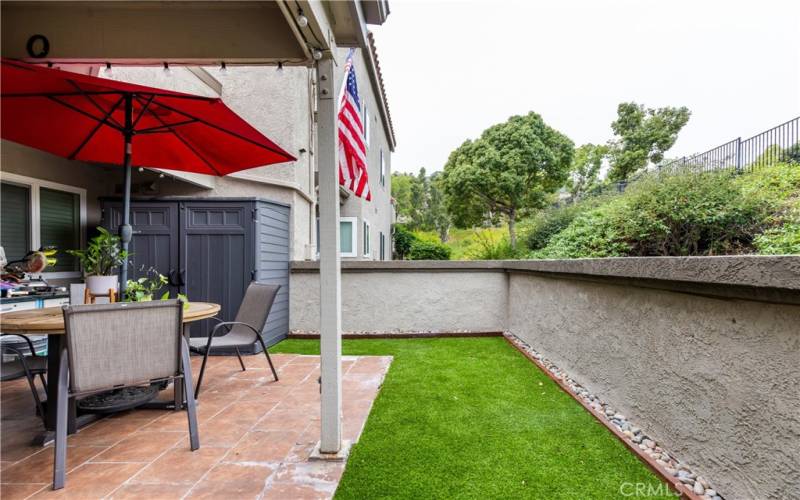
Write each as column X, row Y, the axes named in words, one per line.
column 778, row 144
column 781, row 143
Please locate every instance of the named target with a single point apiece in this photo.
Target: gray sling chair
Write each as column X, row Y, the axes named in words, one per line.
column 109, row 346
column 24, row 366
column 244, row 331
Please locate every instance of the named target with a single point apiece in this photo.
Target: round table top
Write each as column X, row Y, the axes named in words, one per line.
column 50, row 320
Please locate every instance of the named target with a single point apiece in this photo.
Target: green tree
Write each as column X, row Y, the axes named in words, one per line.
column 642, row 135
column 420, row 202
column 401, row 192
column 436, row 216
column 585, row 168
column 509, row 170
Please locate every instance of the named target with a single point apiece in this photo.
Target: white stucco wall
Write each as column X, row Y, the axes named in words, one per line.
column 424, row 301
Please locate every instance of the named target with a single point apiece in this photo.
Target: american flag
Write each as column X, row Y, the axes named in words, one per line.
column 352, row 150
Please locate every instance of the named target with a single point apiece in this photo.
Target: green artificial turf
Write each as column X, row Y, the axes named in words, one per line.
column 473, row 418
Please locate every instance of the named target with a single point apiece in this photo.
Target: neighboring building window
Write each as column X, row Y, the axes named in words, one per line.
column 383, row 246
column 383, row 170
column 366, row 124
column 39, row 214
column 366, row 239
column 348, row 244
column 348, row 237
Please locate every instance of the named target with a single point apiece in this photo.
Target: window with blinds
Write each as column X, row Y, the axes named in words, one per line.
column 59, row 225
column 15, row 223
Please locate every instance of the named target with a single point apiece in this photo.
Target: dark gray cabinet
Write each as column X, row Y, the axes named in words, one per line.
column 211, row 249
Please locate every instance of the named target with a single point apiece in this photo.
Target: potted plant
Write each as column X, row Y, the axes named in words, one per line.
column 100, row 261
column 144, row 288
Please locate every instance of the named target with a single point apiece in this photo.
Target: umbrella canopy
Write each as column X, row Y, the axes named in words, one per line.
column 83, row 118
column 92, row 119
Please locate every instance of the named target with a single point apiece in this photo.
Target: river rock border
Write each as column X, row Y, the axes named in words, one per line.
column 668, row 464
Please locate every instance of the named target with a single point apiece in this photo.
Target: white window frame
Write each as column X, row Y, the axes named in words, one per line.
column 354, row 222
column 383, row 170
column 354, row 246
column 367, row 246
column 34, row 185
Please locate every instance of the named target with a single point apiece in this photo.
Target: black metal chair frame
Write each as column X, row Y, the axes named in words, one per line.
column 29, row 372
column 207, row 349
column 228, row 326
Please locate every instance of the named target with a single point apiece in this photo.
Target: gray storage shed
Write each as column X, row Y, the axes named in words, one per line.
column 211, row 249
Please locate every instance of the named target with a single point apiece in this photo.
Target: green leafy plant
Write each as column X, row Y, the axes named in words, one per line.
column 713, row 213
column 429, row 250
column 490, row 246
column 538, row 230
column 403, row 239
column 144, row 288
column 102, row 255
column 782, row 240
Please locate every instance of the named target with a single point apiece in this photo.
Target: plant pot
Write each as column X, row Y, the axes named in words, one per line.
column 100, row 285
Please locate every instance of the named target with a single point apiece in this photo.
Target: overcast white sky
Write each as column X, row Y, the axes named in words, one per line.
column 453, row 68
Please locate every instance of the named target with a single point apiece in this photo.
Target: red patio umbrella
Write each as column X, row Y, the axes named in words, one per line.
column 92, row 119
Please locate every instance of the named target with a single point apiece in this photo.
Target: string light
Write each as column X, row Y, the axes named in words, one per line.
column 107, row 71
column 302, row 20
column 222, row 67
column 166, row 68
column 280, row 66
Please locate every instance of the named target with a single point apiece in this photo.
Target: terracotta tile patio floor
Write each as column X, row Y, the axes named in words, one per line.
column 256, row 436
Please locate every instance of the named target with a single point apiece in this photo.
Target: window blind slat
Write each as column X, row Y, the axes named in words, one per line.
column 15, row 221
column 59, row 222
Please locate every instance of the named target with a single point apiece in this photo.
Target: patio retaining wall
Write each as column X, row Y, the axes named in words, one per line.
column 702, row 352
column 395, row 297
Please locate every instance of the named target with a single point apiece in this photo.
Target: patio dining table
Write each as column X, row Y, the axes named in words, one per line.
column 50, row 321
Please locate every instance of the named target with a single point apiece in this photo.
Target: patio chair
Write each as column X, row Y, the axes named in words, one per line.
column 24, row 366
column 110, row 346
column 243, row 332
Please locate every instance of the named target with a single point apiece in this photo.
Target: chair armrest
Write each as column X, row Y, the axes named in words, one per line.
column 30, row 343
column 228, row 325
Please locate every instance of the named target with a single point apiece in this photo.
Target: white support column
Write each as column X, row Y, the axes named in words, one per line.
column 330, row 327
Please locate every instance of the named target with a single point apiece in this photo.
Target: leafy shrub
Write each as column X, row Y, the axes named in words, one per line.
column 537, row 231
column 489, row 245
column 689, row 214
column 702, row 214
column 403, row 240
column 782, row 240
column 428, row 250
column 596, row 233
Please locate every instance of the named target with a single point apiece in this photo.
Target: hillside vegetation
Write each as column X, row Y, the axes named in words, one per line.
column 689, row 214
column 717, row 213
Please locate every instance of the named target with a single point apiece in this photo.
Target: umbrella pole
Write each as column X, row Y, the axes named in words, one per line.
column 125, row 230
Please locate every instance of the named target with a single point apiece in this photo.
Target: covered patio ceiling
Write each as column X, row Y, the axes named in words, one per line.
column 188, row 32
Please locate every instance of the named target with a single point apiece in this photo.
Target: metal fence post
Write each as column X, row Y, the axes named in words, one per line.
column 738, row 155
